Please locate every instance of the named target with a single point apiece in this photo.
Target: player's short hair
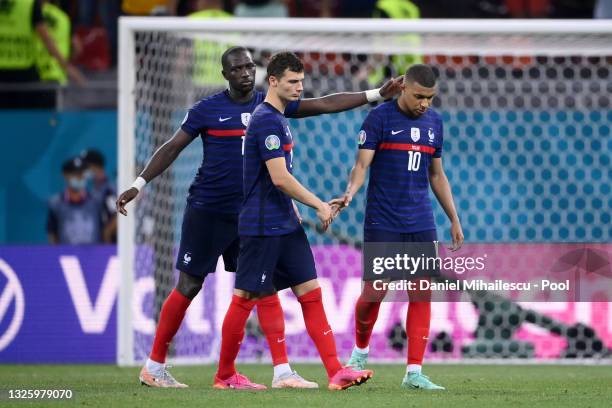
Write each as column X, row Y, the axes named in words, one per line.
column 282, row 61
column 231, row 51
column 421, row 74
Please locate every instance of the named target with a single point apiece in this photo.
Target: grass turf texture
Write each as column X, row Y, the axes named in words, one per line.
column 467, row 386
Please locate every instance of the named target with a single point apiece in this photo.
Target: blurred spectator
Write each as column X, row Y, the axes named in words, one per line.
column 397, row 64
column 20, row 23
column 103, row 190
column 603, row 9
column 399, row 9
column 75, row 217
column 108, row 11
column 261, row 8
column 59, row 27
column 206, row 69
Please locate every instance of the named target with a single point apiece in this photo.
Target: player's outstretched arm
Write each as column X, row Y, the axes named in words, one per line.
column 347, row 100
column 356, row 179
column 441, row 189
column 284, row 181
column 160, row 161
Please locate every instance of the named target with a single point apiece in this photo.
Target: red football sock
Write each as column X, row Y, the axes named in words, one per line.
column 170, row 319
column 232, row 333
column 272, row 322
column 417, row 325
column 366, row 314
column 319, row 330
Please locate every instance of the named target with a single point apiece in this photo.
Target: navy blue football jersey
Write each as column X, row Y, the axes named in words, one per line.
column 221, row 123
column 266, row 210
column 398, row 190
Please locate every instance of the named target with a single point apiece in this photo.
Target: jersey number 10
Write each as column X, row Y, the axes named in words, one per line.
column 414, row 160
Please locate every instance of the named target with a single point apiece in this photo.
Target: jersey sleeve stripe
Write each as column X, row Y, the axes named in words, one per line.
column 288, row 147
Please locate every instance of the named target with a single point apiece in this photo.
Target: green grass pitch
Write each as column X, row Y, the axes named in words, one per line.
column 467, row 386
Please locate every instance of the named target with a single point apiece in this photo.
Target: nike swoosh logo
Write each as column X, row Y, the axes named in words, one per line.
column 395, row 132
column 326, row 332
column 280, row 340
column 224, row 119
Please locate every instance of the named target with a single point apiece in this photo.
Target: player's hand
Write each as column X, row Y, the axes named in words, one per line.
column 324, row 212
column 456, row 235
column 125, row 197
column 392, row 87
column 340, row 203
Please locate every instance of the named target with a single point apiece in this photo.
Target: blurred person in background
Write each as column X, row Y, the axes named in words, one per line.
column 396, row 64
column 108, row 11
column 206, row 54
column 21, row 22
column 261, row 8
column 59, row 28
column 75, row 216
column 102, row 190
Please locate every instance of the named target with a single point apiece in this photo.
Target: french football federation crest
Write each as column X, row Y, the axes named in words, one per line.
column 272, row 142
column 245, row 117
column 362, row 137
column 415, row 134
column 430, row 134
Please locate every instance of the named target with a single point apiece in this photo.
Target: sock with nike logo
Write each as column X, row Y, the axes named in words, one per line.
column 417, row 325
column 272, row 322
column 319, row 330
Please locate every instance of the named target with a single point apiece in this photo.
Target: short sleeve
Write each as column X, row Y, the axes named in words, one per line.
column 371, row 131
column 438, row 153
column 193, row 122
column 269, row 142
column 292, row 108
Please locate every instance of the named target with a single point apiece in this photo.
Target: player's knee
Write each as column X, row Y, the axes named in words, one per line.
column 189, row 286
column 252, row 295
column 305, row 287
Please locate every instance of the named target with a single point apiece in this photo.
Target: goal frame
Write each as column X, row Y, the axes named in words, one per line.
column 129, row 26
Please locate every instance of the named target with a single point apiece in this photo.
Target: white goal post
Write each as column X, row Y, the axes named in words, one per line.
column 524, row 54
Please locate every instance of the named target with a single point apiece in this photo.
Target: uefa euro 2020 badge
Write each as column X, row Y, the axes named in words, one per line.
column 272, row 142
column 362, row 137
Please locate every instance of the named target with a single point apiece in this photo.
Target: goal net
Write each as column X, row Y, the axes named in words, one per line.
column 527, row 146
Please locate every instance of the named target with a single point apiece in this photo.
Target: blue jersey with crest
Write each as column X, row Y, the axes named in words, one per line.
column 266, row 210
column 398, row 191
column 221, row 124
